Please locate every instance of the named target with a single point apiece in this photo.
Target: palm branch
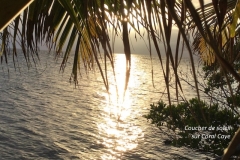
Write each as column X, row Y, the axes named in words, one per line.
column 87, row 22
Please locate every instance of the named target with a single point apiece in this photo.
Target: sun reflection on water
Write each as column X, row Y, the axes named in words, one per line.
column 117, row 131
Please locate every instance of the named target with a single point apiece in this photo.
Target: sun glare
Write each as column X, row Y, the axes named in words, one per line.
column 117, row 131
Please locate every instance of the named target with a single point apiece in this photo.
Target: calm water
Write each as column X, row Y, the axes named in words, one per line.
column 43, row 116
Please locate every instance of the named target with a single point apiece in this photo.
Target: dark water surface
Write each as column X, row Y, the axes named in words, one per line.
column 43, row 116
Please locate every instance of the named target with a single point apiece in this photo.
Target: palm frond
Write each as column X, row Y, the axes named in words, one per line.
column 59, row 22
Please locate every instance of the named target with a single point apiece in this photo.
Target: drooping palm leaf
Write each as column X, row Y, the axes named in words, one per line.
column 55, row 21
column 9, row 10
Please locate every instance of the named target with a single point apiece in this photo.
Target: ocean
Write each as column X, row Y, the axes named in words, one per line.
column 44, row 116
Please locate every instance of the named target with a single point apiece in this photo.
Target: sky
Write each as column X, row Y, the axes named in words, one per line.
column 139, row 46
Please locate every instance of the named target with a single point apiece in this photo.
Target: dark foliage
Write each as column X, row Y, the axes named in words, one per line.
column 178, row 118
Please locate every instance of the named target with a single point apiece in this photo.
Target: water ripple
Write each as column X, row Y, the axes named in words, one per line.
column 42, row 116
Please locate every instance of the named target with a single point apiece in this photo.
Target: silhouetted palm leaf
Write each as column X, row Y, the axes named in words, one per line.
column 59, row 22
